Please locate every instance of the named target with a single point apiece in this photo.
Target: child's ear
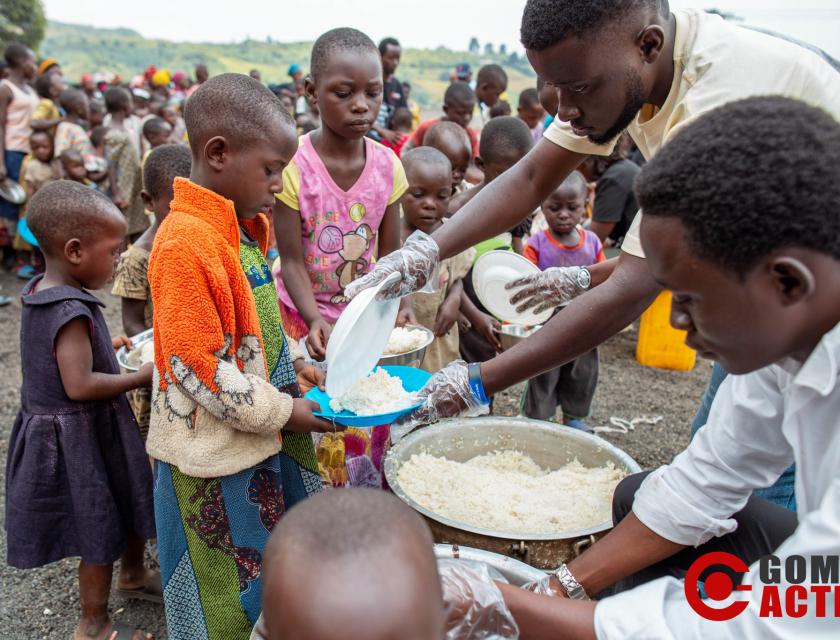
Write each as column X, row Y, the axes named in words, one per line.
column 73, row 251
column 793, row 280
column 147, row 200
column 309, row 90
column 216, row 152
column 479, row 163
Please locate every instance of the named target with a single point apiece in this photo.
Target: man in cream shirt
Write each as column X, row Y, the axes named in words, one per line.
column 633, row 66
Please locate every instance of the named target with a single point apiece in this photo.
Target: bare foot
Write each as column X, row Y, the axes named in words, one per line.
column 127, row 580
column 107, row 630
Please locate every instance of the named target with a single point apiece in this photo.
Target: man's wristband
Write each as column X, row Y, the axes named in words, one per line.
column 476, row 384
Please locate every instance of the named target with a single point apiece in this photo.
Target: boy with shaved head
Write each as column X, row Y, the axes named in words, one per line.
column 367, row 559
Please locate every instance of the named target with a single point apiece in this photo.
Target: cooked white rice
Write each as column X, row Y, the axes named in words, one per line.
column 147, row 352
column 403, row 340
column 379, row 393
column 508, row 491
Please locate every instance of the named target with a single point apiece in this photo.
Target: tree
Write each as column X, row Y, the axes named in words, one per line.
column 503, row 49
column 475, row 47
column 488, row 49
column 22, row 21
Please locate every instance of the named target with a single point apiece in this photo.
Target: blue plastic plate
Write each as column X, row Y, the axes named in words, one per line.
column 412, row 380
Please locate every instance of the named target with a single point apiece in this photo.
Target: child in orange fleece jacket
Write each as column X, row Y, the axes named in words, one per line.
column 225, row 380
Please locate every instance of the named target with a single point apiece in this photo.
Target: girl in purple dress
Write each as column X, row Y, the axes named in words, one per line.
column 78, row 482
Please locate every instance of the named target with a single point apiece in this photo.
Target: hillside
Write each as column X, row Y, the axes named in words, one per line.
column 83, row 49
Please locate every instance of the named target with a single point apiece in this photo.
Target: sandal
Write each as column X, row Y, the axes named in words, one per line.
column 150, row 592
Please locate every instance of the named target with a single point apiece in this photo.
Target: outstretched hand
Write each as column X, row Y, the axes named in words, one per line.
column 447, row 394
column 548, row 289
column 416, row 264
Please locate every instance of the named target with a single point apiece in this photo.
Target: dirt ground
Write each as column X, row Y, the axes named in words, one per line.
column 43, row 603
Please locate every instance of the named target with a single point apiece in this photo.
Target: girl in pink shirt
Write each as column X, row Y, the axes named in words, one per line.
column 338, row 211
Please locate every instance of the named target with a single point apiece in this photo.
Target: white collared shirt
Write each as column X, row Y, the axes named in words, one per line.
column 759, row 424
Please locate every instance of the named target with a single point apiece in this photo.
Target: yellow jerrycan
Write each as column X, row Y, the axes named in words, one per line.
column 659, row 344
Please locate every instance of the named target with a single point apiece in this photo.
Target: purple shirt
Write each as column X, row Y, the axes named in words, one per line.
column 544, row 251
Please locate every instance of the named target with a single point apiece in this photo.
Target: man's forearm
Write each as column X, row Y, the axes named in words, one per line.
column 624, row 551
column 587, row 322
column 507, row 200
column 549, row 618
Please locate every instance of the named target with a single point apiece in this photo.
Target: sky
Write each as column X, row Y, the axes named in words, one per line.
column 425, row 24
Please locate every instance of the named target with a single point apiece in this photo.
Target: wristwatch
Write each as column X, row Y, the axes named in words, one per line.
column 584, row 279
column 570, row 585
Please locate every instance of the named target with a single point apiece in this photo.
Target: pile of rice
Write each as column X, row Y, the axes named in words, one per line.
column 379, row 393
column 403, row 340
column 147, row 352
column 139, row 356
column 508, row 491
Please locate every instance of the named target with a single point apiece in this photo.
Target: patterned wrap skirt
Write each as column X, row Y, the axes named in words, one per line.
column 211, row 535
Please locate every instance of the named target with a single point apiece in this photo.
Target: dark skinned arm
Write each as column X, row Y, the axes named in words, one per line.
column 485, row 324
column 81, row 383
column 389, row 230
column 447, row 314
column 547, row 618
column 287, row 230
column 508, row 199
column 588, row 321
column 5, row 99
column 389, row 241
column 628, row 548
column 133, row 316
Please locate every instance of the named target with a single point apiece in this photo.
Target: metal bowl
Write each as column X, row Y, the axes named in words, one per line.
column 410, row 358
column 512, row 334
column 11, row 191
column 130, row 360
column 550, row 445
column 515, row 572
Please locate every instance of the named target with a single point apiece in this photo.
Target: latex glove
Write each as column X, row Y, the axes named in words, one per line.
column 547, row 289
column 446, row 395
column 416, row 263
column 476, row 609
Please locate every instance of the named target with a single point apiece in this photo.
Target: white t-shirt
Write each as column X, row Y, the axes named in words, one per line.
column 716, row 62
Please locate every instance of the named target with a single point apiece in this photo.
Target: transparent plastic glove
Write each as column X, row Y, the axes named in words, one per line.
column 541, row 586
column 475, row 607
column 446, row 395
column 416, row 262
column 547, row 289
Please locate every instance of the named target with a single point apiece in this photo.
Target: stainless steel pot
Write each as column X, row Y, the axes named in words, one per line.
column 513, row 334
column 549, row 445
column 515, row 572
column 410, row 358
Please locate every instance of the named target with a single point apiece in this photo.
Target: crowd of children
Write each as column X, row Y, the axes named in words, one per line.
column 232, row 442
column 179, row 193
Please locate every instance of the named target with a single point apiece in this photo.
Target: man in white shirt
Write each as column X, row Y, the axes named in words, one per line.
column 757, row 292
column 631, row 66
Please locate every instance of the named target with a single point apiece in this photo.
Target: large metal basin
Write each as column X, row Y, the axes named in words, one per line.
column 548, row 444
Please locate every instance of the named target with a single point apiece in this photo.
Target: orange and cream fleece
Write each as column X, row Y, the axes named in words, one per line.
column 214, row 412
